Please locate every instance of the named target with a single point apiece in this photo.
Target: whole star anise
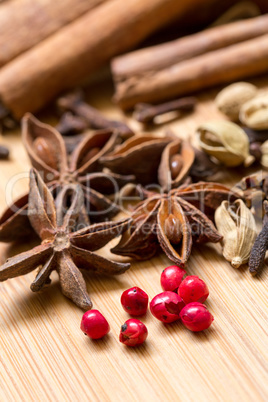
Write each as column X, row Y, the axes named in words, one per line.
column 174, row 221
column 63, row 249
column 48, row 155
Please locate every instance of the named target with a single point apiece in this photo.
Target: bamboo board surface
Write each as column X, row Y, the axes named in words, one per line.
column 45, row 356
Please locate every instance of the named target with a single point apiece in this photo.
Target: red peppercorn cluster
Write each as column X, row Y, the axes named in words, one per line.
column 181, row 299
column 133, row 332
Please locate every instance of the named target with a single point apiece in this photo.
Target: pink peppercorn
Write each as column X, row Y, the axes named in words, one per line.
column 166, row 306
column 193, row 289
column 135, row 301
column 133, row 332
column 171, row 278
column 94, row 324
column 196, row 317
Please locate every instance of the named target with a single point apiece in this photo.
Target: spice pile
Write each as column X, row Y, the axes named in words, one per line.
column 181, row 300
column 73, row 195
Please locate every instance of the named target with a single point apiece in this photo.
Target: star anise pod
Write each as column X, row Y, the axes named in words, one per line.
column 63, row 249
column 152, row 159
column 174, row 221
column 48, row 155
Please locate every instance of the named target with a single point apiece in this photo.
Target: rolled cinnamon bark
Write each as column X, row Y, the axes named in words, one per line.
column 238, row 61
column 158, row 57
column 24, row 23
column 67, row 57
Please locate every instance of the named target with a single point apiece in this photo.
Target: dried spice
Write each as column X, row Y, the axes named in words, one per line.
column 191, row 63
column 14, row 222
column 256, row 135
column 225, row 141
column 140, row 155
column 256, row 147
column 203, row 167
column 153, row 159
column 257, row 255
column 47, row 152
column 254, row 113
column 6, row 119
column 255, row 190
column 146, row 113
column 230, row 99
column 174, row 221
column 255, row 150
column 4, row 152
column 72, row 141
column 71, row 124
column 63, row 249
column 74, row 103
column 264, row 154
column 176, row 161
column 237, row 225
column 242, row 10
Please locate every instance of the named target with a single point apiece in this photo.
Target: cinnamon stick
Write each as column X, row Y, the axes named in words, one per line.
column 158, row 57
column 69, row 56
column 24, row 23
column 238, row 61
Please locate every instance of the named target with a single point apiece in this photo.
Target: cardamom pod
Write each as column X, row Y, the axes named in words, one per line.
column 237, row 225
column 226, row 141
column 254, row 113
column 230, row 99
column 264, row 154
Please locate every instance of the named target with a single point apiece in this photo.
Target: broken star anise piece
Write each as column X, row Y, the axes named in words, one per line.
column 63, row 249
column 173, row 221
column 139, row 155
column 152, row 159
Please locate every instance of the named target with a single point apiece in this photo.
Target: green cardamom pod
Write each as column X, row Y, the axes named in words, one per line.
column 230, row 99
column 226, row 141
column 254, row 113
column 237, row 225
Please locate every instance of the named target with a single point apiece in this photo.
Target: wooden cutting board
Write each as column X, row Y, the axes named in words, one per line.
column 45, row 356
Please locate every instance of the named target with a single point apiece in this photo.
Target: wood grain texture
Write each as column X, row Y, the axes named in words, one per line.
column 45, row 356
